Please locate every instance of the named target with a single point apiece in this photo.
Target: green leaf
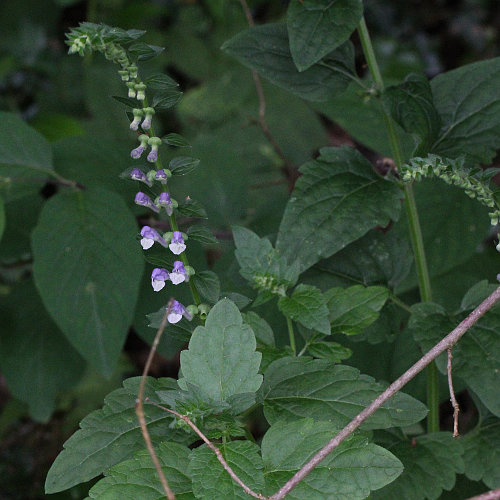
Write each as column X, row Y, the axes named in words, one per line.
column 87, row 268
column 331, row 351
column 182, row 165
column 317, row 27
column 35, row 358
column 208, row 284
column 143, row 51
column 137, row 477
column 202, row 234
column 431, row 463
column 111, row 435
column 301, row 387
column 263, row 332
column 337, row 200
column 411, row 105
column 166, row 99
column 307, row 306
column 175, row 140
column 350, row 472
column 160, row 81
column 467, row 100
column 261, row 264
column 211, row 480
column 221, row 358
column 128, row 101
column 192, row 208
column 476, row 357
column 482, row 453
column 355, row 308
column 266, row 50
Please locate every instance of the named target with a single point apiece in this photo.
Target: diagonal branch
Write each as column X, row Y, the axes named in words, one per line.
column 490, row 495
column 447, row 343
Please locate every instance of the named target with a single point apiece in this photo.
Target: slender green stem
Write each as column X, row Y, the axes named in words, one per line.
column 400, row 303
column 413, row 223
column 291, row 335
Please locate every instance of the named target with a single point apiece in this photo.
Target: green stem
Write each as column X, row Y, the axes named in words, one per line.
column 291, row 336
column 413, row 223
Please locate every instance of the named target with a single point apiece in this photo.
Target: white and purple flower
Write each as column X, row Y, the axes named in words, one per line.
column 154, row 142
column 148, row 112
column 149, row 236
column 177, row 245
column 179, row 273
column 165, row 201
column 145, row 201
column 158, row 278
column 138, row 175
column 138, row 114
column 161, row 176
column 137, row 152
column 176, row 311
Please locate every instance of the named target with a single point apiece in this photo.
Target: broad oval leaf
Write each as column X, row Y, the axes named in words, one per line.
column 316, row 27
column 301, row 387
column 337, row 200
column 350, row 472
column 87, row 268
column 265, row 49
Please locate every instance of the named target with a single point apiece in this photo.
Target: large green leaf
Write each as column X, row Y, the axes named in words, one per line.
column 211, row 481
column 301, row 387
column 137, row 477
column 87, row 268
column 221, row 359
column 350, row 472
column 355, row 308
column 265, row 49
column 337, row 200
column 316, row 27
column 431, row 463
column 476, row 357
column 482, row 453
column 307, row 306
column 35, row 358
column 111, row 435
column 469, row 104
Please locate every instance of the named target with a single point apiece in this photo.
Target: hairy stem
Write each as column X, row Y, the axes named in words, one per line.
column 453, row 399
column 447, row 343
column 291, row 335
column 424, row 282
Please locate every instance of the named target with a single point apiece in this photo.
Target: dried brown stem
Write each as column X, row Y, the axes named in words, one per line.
column 490, row 495
column 216, row 450
column 139, row 407
column 456, row 408
column 449, row 341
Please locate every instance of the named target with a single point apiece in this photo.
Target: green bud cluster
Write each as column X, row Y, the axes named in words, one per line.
column 269, row 283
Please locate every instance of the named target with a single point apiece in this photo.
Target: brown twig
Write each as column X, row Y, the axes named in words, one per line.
column 456, row 408
column 139, row 407
column 216, row 450
column 448, row 342
column 490, row 495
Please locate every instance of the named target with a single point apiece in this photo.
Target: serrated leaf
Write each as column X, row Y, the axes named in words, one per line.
column 266, row 50
column 467, row 100
column 111, row 435
column 202, row 234
column 87, row 268
column 36, row 360
column 263, row 332
column 210, row 479
column 182, row 165
column 166, row 99
column 160, row 81
column 307, row 306
column 208, row 284
column 431, row 463
column 482, row 453
column 337, row 200
column 175, row 140
column 144, row 51
column 138, row 478
column 221, row 358
column 476, row 357
column 128, row 101
column 411, row 105
column 353, row 309
column 331, row 351
column 350, row 472
column 301, row 387
column 316, row 27
column 192, row 208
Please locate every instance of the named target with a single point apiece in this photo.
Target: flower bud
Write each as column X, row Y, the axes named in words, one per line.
column 138, row 114
column 132, row 71
column 203, row 309
column 138, row 175
column 149, row 112
column 154, row 142
column 145, row 201
column 131, row 89
column 124, row 75
column 137, row 152
column 165, row 201
column 140, row 88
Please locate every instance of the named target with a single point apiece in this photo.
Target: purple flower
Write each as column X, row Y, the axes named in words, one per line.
column 165, row 202
column 177, row 244
column 149, row 112
column 161, row 176
column 178, row 274
column 138, row 114
column 145, row 201
column 176, row 312
column 137, row 152
column 149, row 236
column 138, row 175
column 154, row 142
column 158, row 278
